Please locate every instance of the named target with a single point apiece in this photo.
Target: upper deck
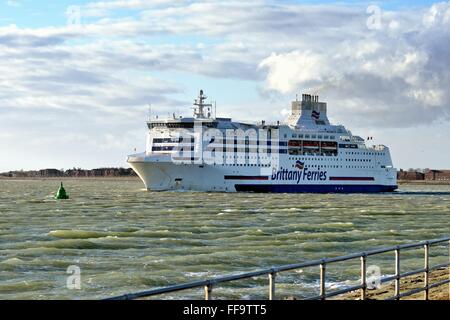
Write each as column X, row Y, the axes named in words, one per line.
column 307, row 130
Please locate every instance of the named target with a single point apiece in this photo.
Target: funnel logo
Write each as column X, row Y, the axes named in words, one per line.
column 315, row 115
column 299, row 165
column 300, row 174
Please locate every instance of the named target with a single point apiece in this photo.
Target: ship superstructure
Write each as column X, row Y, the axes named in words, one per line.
column 304, row 154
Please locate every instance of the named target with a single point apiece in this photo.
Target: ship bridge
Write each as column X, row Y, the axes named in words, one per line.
column 202, row 116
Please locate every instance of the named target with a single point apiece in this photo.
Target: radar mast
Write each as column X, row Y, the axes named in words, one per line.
column 200, row 103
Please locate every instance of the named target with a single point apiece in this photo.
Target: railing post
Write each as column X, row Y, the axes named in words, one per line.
column 427, row 270
column 363, row 277
column 448, row 270
column 208, row 291
column 397, row 273
column 322, row 280
column 272, row 276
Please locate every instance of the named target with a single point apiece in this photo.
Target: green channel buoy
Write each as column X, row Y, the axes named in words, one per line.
column 61, row 194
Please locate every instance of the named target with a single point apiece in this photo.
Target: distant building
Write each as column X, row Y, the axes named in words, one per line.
column 50, row 173
column 77, row 173
column 410, row 175
column 438, row 175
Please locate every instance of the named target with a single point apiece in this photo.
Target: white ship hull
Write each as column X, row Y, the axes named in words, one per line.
column 165, row 176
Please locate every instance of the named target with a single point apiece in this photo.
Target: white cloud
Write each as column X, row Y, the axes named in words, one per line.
column 12, row 3
column 325, row 48
column 437, row 15
column 129, row 4
column 103, row 74
column 374, row 73
column 105, row 8
column 288, row 70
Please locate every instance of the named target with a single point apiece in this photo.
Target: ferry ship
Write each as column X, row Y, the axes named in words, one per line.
column 305, row 154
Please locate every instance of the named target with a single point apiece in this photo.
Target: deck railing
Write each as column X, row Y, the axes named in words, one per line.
column 209, row 284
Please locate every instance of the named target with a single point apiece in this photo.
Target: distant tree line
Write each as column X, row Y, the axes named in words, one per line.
column 75, row 172
column 410, row 174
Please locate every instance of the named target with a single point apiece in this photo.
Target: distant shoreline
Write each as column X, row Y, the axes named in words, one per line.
column 75, row 173
column 119, row 178
column 424, row 182
column 136, row 178
column 432, row 177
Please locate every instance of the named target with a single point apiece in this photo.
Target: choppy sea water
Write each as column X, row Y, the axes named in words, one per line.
column 125, row 239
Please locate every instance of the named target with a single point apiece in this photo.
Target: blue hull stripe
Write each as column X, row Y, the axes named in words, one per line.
column 246, row 177
column 322, row 188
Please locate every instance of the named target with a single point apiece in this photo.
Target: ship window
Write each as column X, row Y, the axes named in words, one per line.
column 163, row 148
column 167, row 140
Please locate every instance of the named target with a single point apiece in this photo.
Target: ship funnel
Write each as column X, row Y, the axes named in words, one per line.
column 309, row 111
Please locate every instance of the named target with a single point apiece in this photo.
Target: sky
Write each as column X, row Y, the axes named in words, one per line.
column 76, row 77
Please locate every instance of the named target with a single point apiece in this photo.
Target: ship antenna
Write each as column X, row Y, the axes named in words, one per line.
column 149, row 111
column 201, row 105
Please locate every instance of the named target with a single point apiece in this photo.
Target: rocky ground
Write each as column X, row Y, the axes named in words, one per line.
column 407, row 284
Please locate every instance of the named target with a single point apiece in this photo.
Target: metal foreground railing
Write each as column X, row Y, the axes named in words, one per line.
column 362, row 287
